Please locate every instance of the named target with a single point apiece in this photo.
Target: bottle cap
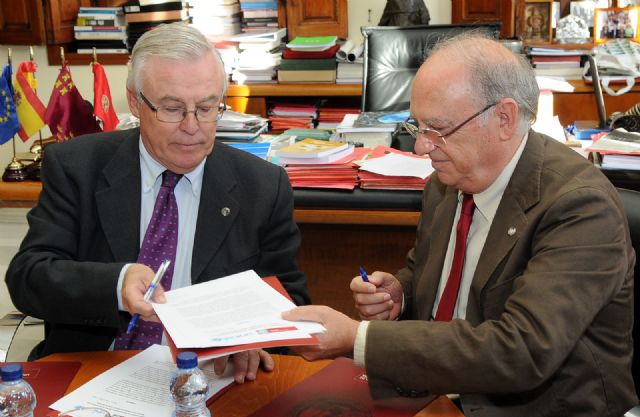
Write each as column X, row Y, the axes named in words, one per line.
column 11, row 372
column 186, row 360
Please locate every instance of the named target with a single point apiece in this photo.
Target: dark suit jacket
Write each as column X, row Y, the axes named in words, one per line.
column 86, row 226
column 550, row 311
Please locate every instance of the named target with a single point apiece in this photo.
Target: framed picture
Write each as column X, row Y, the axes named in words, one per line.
column 536, row 26
column 615, row 23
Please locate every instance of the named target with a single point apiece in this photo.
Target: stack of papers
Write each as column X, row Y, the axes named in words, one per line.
column 620, row 149
column 138, row 386
column 390, row 169
column 341, row 174
column 240, row 126
column 231, row 314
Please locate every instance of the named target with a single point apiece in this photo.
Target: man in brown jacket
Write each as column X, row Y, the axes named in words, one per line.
column 537, row 319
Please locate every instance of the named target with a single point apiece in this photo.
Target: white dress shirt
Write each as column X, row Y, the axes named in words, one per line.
column 187, row 194
column 487, row 203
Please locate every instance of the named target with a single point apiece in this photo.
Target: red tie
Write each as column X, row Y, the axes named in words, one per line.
column 450, row 293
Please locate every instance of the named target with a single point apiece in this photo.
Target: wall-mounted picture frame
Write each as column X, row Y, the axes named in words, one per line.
column 536, row 23
column 615, row 23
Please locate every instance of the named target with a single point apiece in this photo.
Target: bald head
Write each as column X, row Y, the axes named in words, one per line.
column 490, row 71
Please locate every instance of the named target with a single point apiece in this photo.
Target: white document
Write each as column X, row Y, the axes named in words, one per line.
column 229, row 311
column 394, row 164
column 137, row 387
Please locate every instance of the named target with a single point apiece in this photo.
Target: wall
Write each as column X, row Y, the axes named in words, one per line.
column 361, row 13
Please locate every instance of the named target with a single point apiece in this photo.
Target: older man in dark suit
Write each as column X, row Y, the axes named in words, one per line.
column 83, row 266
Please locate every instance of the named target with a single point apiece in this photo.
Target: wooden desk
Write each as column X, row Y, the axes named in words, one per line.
column 239, row 400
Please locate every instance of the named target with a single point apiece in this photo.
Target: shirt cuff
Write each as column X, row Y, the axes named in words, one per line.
column 123, row 271
column 359, row 345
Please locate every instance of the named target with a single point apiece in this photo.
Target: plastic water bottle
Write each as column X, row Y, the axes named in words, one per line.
column 189, row 387
column 17, row 398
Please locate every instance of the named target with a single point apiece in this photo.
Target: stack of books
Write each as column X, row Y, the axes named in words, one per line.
column 258, row 15
column 313, row 163
column 144, row 15
column 292, row 115
column 234, row 126
column 216, row 18
column 260, row 54
column 619, row 149
column 313, row 60
column 330, row 117
column 551, row 62
column 368, row 129
column 102, row 28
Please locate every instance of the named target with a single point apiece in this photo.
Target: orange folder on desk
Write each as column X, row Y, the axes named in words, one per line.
column 49, row 380
column 208, row 353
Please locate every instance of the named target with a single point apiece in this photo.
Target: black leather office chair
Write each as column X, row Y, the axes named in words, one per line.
column 393, row 54
column 631, row 201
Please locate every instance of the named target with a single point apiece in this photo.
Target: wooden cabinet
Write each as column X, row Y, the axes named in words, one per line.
column 476, row 11
column 60, row 17
column 21, row 22
column 317, row 18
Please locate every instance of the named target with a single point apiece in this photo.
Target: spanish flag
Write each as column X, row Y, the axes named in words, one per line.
column 29, row 107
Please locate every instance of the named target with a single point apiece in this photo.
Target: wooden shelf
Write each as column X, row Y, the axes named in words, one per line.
column 53, row 56
column 297, row 90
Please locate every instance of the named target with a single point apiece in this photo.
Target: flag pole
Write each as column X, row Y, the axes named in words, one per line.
column 37, row 148
column 15, row 170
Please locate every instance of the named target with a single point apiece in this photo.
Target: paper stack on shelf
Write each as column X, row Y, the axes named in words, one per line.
column 350, row 63
column 148, row 14
column 216, row 18
column 260, row 54
column 367, row 129
column 339, row 174
column 258, row 15
column 102, row 28
column 234, row 126
column 390, row 169
column 619, row 149
column 292, row 115
column 306, row 68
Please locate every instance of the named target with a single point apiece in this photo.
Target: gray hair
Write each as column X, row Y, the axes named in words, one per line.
column 173, row 40
column 495, row 73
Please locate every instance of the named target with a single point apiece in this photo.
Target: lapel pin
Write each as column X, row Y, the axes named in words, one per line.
column 225, row 211
column 511, row 231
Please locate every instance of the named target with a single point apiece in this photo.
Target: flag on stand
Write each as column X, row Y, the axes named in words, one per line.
column 102, row 103
column 9, row 124
column 29, row 107
column 67, row 113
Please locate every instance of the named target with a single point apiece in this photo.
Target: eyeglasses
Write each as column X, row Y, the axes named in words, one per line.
column 434, row 136
column 171, row 114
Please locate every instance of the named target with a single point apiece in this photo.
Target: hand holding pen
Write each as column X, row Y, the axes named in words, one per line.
column 149, row 293
column 378, row 297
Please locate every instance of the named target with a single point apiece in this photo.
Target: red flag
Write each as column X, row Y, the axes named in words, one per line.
column 67, row 113
column 102, row 103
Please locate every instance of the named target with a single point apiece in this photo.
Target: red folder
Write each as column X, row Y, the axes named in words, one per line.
column 340, row 389
column 207, row 353
column 49, row 380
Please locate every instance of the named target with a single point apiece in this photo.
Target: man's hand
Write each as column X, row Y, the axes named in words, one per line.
column 245, row 364
column 337, row 340
column 134, row 285
column 378, row 299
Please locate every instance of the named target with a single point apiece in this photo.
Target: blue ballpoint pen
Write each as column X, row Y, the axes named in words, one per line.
column 363, row 274
column 147, row 295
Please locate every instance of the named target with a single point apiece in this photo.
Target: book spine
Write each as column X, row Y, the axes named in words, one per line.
column 87, row 21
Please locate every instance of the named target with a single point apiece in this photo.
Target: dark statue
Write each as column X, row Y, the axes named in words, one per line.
column 404, row 13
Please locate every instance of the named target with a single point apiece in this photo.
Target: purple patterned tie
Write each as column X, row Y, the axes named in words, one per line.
column 160, row 241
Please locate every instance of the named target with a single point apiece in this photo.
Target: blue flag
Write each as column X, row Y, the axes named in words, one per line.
column 9, row 124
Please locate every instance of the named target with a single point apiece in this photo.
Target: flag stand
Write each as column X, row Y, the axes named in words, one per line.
column 15, row 170
column 37, row 148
